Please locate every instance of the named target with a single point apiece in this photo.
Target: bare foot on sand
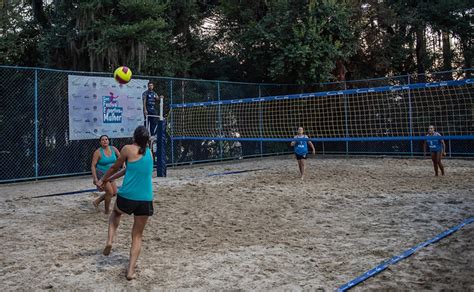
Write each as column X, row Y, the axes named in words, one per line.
column 107, row 250
column 95, row 205
column 132, row 276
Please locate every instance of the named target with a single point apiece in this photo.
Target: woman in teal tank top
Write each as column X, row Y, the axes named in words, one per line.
column 136, row 194
column 102, row 159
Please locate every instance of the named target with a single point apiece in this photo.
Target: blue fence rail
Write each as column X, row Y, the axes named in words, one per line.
column 34, row 122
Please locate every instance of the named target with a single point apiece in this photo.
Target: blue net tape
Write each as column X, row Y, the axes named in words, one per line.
column 384, row 265
column 66, row 193
column 234, row 172
column 327, row 93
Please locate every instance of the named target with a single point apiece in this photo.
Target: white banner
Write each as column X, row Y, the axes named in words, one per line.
column 100, row 106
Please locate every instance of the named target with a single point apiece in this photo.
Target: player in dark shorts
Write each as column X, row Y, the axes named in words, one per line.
column 136, row 194
column 437, row 149
column 301, row 150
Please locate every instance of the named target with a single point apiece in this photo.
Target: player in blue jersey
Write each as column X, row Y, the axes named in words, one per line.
column 301, row 149
column 437, row 149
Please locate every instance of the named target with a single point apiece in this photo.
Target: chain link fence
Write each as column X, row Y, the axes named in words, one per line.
column 34, row 123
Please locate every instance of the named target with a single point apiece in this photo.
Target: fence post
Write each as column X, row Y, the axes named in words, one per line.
column 36, row 124
column 260, row 117
column 449, row 143
column 171, row 123
column 410, row 118
column 180, row 143
column 219, row 113
column 346, row 119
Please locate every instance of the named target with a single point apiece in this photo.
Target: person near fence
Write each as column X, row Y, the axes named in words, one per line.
column 136, row 194
column 437, row 149
column 150, row 97
column 236, row 146
column 301, row 150
column 102, row 159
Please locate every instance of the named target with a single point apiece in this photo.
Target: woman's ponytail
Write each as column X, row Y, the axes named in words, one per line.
column 141, row 136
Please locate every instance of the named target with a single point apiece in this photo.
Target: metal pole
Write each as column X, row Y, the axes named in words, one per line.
column 260, row 113
column 161, row 149
column 171, row 123
column 346, row 119
column 161, row 109
column 410, row 117
column 36, row 125
column 450, row 152
column 182, row 125
column 219, row 113
column 147, row 124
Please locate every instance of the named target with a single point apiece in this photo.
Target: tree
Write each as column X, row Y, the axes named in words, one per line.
column 19, row 35
column 453, row 18
column 406, row 36
column 98, row 35
column 287, row 41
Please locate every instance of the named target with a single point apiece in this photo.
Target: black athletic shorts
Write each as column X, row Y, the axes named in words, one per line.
column 137, row 208
column 299, row 157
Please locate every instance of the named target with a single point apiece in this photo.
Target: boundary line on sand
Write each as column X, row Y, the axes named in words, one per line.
column 384, row 265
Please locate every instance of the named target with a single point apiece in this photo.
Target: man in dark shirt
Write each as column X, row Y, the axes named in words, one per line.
column 149, row 98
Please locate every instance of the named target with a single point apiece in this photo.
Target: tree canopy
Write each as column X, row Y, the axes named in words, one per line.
column 284, row 41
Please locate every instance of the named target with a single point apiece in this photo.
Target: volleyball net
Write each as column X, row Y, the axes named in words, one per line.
column 390, row 113
column 210, row 120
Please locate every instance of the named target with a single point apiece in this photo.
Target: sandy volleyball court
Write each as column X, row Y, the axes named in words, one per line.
column 257, row 230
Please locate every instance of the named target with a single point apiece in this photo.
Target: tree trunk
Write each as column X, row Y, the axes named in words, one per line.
column 340, row 71
column 39, row 14
column 447, row 54
column 410, row 58
column 420, row 52
column 466, row 46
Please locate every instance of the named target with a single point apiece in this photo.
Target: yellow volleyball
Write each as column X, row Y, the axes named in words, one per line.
column 123, row 75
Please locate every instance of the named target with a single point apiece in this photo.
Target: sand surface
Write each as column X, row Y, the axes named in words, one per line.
column 261, row 230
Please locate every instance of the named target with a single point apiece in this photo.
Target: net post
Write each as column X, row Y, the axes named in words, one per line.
column 171, row 125
column 449, row 143
column 161, row 149
column 36, row 124
column 147, row 124
column 161, row 144
column 410, row 117
column 346, row 119
column 161, row 109
column 219, row 116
